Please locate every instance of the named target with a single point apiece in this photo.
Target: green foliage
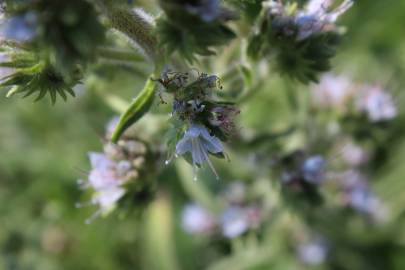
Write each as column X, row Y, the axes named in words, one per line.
column 32, row 75
column 43, row 147
column 189, row 34
column 300, row 60
column 66, row 31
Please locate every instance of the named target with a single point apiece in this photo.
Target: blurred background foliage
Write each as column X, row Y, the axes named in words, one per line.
column 43, row 151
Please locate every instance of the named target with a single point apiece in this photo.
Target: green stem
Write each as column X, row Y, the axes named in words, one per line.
column 119, row 54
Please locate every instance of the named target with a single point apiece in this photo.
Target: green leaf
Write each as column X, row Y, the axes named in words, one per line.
column 136, row 109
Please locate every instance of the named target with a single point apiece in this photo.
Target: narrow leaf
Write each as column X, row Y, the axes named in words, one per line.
column 136, row 110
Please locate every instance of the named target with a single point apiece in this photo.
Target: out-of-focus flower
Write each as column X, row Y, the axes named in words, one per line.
column 313, row 252
column 313, row 169
column 332, row 92
column 200, row 144
column 20, row 28
column 317, row 17
column 357, row 194
column 197, row 220
column 111, row 170
column 107, row 182
column 376, row 103
column 301, row 169
column 234, row 222
column 354, row 155
column 237, row 217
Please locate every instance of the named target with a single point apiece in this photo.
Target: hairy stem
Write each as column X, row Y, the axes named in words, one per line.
column 134, row 24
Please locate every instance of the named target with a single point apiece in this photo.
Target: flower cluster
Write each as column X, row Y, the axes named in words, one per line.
column 341, row 94
column 203, row 122
column 114, row 172
column 356, row 194
column 238, row 217
column 301, row 41
column 301, row 174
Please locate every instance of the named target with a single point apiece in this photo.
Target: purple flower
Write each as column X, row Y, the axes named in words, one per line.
column 234, row 222
column 197, row 220
column 223, row 117
column 357, row 195
column 313, row 169
column 354, row 155
column 106, row 182
column 377, row 104
column 317, row 18
column 313, row 253
column 333, row 92
column 110, row 172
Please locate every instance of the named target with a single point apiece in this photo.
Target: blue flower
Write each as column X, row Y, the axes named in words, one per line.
column 19, row 28
column 313, row 169
column 200, row 144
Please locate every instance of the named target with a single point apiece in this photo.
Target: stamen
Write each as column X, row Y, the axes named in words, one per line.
column 193, row 148
column 93, row 217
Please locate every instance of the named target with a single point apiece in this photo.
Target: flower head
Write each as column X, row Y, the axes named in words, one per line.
column 197, row 220
column 354, row 154
column 313, row 169
column 198, row 141
column 106, row 181
column 112, row 170
column 19, row 28
column 316, row 17
column 313, row 252
column 333, row 92
column 377, row 104
column 358, row 195
column 223, row 118
column 234, row 222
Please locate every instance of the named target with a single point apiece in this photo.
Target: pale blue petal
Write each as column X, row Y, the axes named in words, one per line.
column 183, row 146
column 195, row 130
column 197, row 153
column 213, row 145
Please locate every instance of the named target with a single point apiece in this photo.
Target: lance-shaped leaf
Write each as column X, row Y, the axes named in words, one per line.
column 136, row 110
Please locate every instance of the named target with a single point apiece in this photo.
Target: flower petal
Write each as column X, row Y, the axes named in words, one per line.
column 199, row 157
column 195, row 130
column 212, row 144
column 100, row 161
column 183, row 146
